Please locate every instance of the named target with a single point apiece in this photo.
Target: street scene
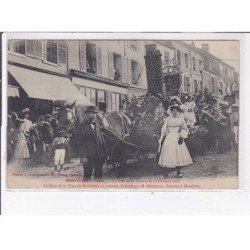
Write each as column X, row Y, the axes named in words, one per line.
column 121, row 114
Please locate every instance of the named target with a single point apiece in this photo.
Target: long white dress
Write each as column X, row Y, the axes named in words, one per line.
column 173, row 154
column 21, row 150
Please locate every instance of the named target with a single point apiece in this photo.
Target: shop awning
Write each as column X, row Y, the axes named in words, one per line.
column 46, row 86
column 12, row 91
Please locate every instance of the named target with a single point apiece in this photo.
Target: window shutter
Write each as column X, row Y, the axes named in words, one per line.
column 113, row 102
column 109, row 101
column 39, row 49
column 82, row 90
column 82, row 56
column 117, row 102
column 61, row 50
column 111, row 65
column 137, row 45
column 99, row 61
column 52, row 51
column 11, row 45
column 30, row 47
column 88, row 94
column 139, row 74
column 183, row 59
column 93, row 96
column 124, row 70
column 129, row 71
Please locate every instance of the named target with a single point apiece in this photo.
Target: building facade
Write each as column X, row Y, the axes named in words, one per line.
column 228, row 78
column 191, row 64
column 213, row 80
column 218, row 76
column 202, row 71
column 103, row 71
column 108, row 71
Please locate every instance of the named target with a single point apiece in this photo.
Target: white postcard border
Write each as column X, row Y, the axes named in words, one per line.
column 147, row 202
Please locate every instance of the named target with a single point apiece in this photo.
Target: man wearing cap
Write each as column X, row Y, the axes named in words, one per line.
column 92, row 151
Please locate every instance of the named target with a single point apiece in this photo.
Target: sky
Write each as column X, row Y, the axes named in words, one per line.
column 228, row 51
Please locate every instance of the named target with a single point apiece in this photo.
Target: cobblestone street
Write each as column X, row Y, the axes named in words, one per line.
column 213, row 165
column 210, row 166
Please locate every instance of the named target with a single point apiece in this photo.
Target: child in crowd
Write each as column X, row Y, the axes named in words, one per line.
column 59, row 145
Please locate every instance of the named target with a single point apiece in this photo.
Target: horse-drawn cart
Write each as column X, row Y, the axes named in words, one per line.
column 134, row 132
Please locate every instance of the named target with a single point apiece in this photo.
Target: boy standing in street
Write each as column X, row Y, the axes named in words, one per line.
column 59, row 145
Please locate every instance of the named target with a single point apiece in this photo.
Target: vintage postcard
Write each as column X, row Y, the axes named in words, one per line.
column 121, row 114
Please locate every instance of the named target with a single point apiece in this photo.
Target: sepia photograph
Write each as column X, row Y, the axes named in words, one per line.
column 124, row 119
column 122, row 114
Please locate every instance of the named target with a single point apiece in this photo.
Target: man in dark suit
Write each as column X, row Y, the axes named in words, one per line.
column 48, row 137
column 92, row 145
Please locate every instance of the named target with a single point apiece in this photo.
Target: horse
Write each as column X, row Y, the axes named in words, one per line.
column 116, row 128
column 69, row 120
column 121, row 145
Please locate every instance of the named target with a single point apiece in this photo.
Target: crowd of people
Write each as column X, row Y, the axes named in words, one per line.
column 37, row 143
column 196, row 113
column 180, row 120
column 43, row 143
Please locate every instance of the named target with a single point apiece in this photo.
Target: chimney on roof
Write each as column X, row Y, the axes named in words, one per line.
column 192, row 44
column 205, row 47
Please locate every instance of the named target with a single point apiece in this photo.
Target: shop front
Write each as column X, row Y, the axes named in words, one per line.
column 38, row 91
column 106, row 97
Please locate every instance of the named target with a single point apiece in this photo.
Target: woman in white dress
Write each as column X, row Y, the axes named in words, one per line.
column 172, row 148
column 21, row 152
column 173, row 101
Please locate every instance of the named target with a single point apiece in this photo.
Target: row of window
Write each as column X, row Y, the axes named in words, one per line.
column 50, row 51
column 215, row 86
column 121, row 69
column 218, row 68
column 109, row 102
column 197, row 85
column 167, row 59
column 133, row 44
column 228, row 73
column 104, row 100
column 196, row 64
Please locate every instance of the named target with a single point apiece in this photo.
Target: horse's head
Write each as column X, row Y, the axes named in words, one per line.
column 66, row 116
